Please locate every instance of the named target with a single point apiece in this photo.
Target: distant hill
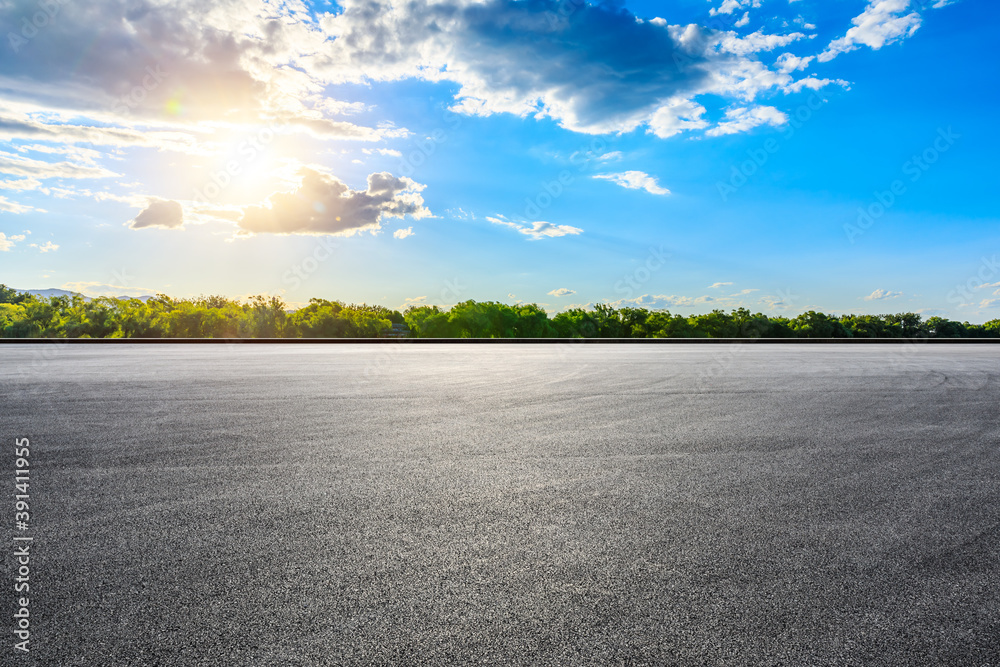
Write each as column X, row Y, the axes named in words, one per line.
column 46, row 293
column 49, row 292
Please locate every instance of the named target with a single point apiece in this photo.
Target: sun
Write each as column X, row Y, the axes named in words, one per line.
column 254, row 160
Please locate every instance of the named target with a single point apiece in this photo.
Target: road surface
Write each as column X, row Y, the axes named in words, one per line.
column 458, row 504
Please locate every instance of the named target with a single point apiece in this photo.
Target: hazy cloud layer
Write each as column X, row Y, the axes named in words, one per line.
column 536, row 230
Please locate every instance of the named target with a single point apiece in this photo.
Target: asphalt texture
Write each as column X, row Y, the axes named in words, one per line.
column 473, row 504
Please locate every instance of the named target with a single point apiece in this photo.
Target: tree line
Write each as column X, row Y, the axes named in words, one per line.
column 23, row 315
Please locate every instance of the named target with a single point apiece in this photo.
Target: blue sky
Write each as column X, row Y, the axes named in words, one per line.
column 687, row 155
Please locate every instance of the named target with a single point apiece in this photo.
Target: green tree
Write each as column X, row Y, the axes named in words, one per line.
column 263, row 317
column 818, row 325
column 8, row 295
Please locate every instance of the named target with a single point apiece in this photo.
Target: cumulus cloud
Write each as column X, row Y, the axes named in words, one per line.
column 756, row 42
column 168, row 74
column 789, row 62
column 536, row 230
column 881, row 295
column 677, row 115
column 562, row 291
column 182, row 59
column 883, row 22
column 48, row 246
column 718, row 285
column 743, row 119
column 635, row 180
column 597, row 69
column 728, row 7
column 323, row 204
column 161, row 213
column 403, row 233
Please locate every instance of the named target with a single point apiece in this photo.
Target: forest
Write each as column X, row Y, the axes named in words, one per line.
column 23, row 315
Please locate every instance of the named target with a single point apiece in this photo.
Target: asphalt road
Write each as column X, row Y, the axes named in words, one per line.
column 312, row 505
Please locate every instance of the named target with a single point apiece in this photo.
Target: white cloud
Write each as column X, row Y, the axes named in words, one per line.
column 13, row 207
column 403, row 233
column 562, row 291
column 382, row 151
column 21, row 184
column 675, row 116
column 323, row 204
column 728, row 7
column 883, row 22
column 536, row 230
column 988, row 285
column 789, row 62
column 881, row 294
column 16, row 165
column 635, row 180
column 743, row 119
column 7, row 242
column 597, row 69
column 48, row 246
column 177, row 60
column 756, row 42
column 718, row 285
column 989, row 303
column 662, row 301
column 814, row 84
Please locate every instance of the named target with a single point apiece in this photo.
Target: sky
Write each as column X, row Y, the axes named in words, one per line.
column 777, row 155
